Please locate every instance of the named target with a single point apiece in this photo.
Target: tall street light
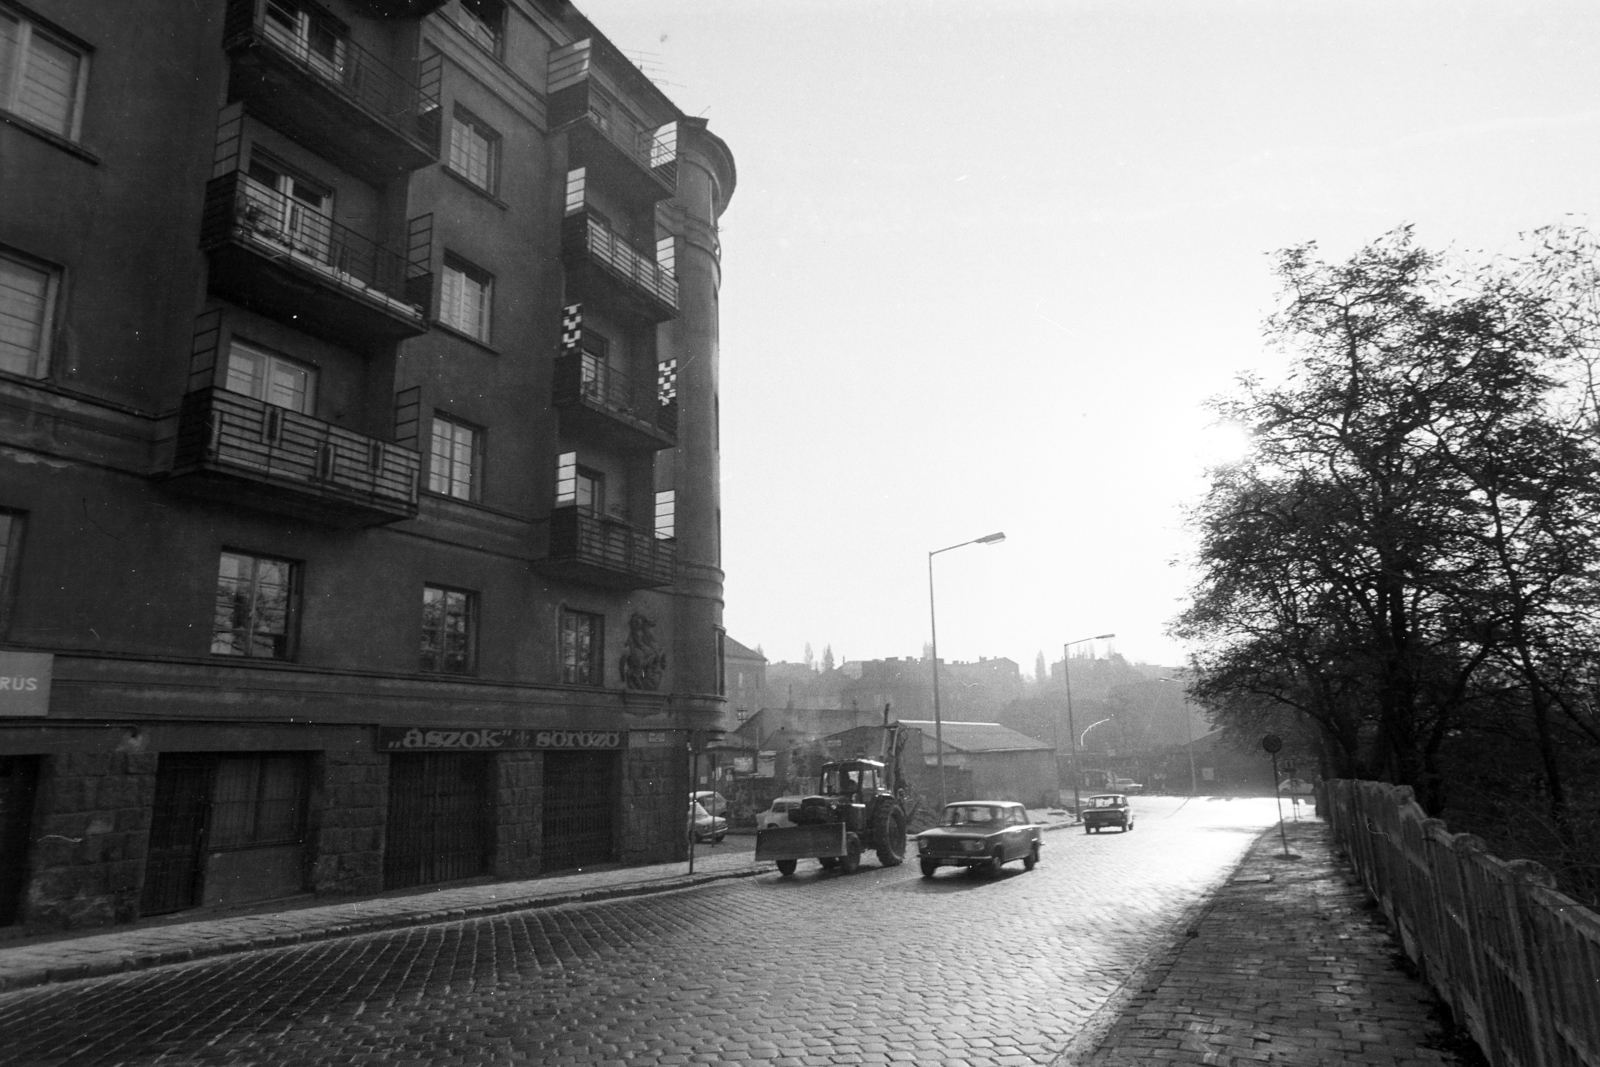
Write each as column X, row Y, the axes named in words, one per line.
column 1072, row 732
column 933, row 623
column 1188, row 737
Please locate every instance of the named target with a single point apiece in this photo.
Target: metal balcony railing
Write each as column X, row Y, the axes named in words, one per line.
column 611, row 548
column 243, row 210
column 583, row 378
column 654, row 150
column 582, row 231
column 322, row 48
column 219, row 430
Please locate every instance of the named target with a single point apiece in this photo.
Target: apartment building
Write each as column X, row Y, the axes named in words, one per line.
column 359, row 508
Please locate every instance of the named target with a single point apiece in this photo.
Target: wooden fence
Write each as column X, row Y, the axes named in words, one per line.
column 1518, row 962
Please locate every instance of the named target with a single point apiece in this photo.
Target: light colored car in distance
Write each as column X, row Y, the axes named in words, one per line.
column 981, row 834
column 778, row 814
column 707, row 827
column 1126, row 786
column 713, row 802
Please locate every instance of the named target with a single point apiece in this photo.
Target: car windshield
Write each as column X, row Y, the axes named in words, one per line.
column 963, row 814
column 1105, row 802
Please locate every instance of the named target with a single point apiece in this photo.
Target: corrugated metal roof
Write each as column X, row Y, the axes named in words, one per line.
column 980, row 736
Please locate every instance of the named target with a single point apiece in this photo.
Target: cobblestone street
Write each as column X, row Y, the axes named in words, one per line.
column 879, row 967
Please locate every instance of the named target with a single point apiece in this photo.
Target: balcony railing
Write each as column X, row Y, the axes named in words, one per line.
column 638, row 409
column 639, row 278
column 593, row 549
column 285, row 234
column 235, row 443
column 316, row 57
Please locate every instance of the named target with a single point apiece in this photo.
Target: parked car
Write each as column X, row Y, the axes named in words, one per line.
column 707, row 827
column 715, row 803
column 983, row 834
column 1107, row 809
column 778, row 814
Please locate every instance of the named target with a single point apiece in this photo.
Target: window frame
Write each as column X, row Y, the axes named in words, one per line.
column 470, row 24
column 464, row 117
column 574, row 667
column 27, row 27
column 485, row 280
column 441, row 654
column 291, row 610
column 39, row 363
column 474, row 486
column 16, row 531
column 272, row 359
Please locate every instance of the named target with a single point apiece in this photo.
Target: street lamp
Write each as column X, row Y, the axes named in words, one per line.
column 933, row 624
column 1188, row 739
column 1083, row 741
column 1072, row 732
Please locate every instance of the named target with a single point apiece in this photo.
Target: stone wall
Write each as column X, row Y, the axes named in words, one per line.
column 519, row 804
column 655, row 804
column 91, row 827
column 346, row 822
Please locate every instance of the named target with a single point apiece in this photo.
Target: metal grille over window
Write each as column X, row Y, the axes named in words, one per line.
column 254, row 614
column 446, row 630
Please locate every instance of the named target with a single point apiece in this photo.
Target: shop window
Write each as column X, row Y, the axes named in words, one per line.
column 259, row 801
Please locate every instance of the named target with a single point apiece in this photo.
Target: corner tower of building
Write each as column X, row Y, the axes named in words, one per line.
column 706, row 178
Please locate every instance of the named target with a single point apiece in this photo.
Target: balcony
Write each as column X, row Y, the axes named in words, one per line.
column 306, row 78
column 595, row 550
column 634, row 164
column 602, row 264
column 273, row 254
column 244, row 451
column 596, row 398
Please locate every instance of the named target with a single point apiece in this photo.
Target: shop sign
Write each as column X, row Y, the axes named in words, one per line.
column 25, row 683
column 431, row 739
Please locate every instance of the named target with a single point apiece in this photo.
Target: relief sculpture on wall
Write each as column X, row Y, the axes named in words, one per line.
column 642, row 663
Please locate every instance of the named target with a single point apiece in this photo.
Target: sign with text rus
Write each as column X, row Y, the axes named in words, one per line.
column 455, row 739
column 25, row 683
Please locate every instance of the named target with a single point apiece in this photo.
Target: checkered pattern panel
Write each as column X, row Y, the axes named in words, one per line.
column 571, row 327
column 667, row 381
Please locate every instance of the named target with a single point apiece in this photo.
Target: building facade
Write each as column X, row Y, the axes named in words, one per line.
column 359, row 506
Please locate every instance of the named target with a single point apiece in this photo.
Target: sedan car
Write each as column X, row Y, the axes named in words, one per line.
column 778, row 815
column 707, row 827
column 713, row 802
column 1107, row 809
column 982, row 834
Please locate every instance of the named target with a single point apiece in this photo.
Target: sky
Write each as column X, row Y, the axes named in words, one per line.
column 988, row 259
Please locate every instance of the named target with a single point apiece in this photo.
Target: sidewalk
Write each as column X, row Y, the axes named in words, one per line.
column 1285, row 965
column 62, row 958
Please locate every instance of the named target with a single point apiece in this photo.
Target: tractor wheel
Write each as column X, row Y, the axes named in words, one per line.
column 890, row 830
column 786, row 867
column 928, row 867
column 851, row 863
column 829, row 862
column 1031, row 860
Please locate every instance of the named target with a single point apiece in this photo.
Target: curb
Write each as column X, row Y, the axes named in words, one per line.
column 128, row 963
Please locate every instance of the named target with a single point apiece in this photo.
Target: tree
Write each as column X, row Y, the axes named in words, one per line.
column 1407, row 553
column 1041, row 670
column 810, row 660
column 827, row 658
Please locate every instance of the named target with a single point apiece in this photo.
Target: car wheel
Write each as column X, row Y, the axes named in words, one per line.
column 829, row 862
column 1086, row 829
column 928, row 867
column 1031, row 860
column 718, row 839
column 996, row 861
column 1126, row 827
column 786, row 867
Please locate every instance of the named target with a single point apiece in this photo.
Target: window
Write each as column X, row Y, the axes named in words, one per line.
column 722, row 663
column 485, row 22
column 316, row 42
column 446, row 630
column 28, row 292
column 285, row 207
column 267, row 376
column 474, row 151
column 453, row 462
column 41, row 76
column 464, row 299
column 666, row 508
column 255, row 607
column 11, row 523
column 259, row 801
column 579, row 485
column 582, row 648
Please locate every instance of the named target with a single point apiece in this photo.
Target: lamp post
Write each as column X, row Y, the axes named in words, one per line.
column 933, row 625
column 1072, row 732
column 1188, row 740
